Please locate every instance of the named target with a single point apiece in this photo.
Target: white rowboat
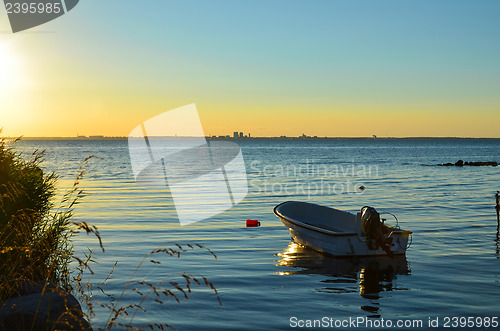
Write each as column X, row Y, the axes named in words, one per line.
column 341, row 233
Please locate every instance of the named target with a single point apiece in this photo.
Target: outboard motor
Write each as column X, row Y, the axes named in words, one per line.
column 373, row 230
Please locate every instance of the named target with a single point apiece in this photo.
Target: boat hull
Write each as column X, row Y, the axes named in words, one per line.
column 339, row 243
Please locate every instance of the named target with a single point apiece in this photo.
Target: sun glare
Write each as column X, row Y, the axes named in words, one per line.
column 9, row 70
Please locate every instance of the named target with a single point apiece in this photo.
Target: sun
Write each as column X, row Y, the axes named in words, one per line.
column 12, row 82
column 9, row 70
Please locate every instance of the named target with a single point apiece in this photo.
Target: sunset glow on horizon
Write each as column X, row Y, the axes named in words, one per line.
column 328, row 68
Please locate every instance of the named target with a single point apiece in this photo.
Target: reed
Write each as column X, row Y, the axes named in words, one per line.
column 176, row 286
column 36, row 245
column 36, row 233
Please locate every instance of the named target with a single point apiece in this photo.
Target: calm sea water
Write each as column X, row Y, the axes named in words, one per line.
column 266, row 282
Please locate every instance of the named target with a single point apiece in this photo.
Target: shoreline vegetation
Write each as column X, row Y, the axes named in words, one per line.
column 40, row 275
column 36, row 245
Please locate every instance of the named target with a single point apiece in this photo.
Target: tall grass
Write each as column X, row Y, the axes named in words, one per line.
column 36, row 243
column 35, row 234
column 175, row 286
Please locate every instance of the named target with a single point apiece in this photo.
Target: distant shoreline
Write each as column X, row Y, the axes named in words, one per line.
column 261, row 138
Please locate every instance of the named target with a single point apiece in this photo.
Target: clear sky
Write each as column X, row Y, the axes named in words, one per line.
column 265, row 67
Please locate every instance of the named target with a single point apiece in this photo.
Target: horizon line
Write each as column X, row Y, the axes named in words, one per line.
column 102, row 137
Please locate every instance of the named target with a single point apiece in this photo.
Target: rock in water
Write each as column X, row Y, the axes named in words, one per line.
column 52, row 310
column 461, row 163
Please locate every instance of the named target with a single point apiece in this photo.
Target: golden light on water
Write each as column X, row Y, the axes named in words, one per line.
column 288, row 256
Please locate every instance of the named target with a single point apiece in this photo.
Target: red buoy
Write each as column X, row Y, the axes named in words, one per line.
column 252, row 223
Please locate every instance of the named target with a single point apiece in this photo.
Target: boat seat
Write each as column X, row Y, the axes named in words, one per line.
column 331, row 219
column 331, row 228
column 323, row 226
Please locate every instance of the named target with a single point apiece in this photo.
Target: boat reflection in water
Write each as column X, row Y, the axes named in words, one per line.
column 367, row 275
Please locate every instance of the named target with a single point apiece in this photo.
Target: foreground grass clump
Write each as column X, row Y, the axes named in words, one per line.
column 35, row 235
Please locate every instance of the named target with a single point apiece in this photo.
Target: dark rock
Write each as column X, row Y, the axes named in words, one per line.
column 54, row 309
column 461, row 163
column 25, row 288
column 480, row 164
